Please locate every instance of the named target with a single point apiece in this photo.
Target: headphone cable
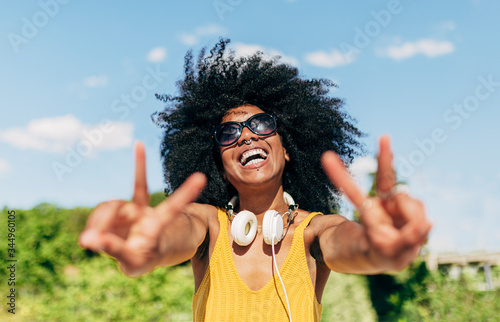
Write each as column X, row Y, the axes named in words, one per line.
column 279, row 275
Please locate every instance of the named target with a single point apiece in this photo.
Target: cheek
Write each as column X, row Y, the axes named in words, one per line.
column 226, row 158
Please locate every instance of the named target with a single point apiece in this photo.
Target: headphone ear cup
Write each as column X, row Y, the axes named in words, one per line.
column 244, row 227
column 272, row 227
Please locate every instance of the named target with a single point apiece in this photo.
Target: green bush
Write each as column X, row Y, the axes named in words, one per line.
column 419, row 295
column 46, row 241
column 58, row 281
column 443, row 299
column 97, row 291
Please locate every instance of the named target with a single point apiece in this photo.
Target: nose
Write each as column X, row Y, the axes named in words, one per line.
column 247, row 135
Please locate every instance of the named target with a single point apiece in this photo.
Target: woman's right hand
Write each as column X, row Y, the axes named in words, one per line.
column 133, row 232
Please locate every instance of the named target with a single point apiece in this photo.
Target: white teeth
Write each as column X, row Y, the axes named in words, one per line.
column 253, row 161
column 250, row 153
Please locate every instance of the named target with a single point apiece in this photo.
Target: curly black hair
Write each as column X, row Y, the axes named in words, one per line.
column 309, row 123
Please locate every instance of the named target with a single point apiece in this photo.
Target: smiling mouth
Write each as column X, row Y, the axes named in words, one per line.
column 253, row 156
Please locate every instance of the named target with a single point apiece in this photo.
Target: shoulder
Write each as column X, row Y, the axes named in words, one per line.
column 207, row 214
column 321, row 223
column 312, row 234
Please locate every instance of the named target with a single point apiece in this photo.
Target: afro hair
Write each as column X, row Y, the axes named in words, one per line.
column 310, row 122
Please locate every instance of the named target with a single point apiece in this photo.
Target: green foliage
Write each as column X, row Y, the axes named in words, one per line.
column 156, row 198
column 442, row 299
column 389, row 293
column 346, row 298
column 385, row 294
column 97, row 290
column 46, row 240
column 58, row 281
column 421, row 295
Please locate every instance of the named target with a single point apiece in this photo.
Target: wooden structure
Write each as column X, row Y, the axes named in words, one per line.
column 483, row 260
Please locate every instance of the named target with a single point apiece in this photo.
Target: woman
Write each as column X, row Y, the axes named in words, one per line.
column 261, row 137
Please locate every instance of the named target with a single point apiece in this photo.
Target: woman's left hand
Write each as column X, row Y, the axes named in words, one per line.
column 395, row 224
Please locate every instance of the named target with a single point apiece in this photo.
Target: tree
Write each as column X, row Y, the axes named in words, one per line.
column 389, row 292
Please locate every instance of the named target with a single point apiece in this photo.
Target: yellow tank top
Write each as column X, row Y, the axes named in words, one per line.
column 223, row 296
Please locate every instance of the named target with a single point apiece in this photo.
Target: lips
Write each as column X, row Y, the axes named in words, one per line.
column 253, row 156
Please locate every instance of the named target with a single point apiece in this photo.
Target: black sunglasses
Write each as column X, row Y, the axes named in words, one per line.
column 227, row 133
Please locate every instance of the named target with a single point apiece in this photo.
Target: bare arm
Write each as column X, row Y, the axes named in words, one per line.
column 392, row 230
column 141, row 237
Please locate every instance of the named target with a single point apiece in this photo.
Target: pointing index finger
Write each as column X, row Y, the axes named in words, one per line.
column 338, row 174
column 386, row 176
column 141, row 196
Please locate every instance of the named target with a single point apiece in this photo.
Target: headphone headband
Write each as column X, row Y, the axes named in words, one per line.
column 288, row 199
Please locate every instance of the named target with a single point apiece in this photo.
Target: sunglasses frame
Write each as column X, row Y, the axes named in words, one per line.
column 243, row 125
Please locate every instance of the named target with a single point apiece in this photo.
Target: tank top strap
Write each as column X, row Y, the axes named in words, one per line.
column 222, row 219
column 306, row 221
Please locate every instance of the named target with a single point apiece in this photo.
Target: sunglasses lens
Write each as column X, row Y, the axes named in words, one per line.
column 263, row 124
column 228, row 134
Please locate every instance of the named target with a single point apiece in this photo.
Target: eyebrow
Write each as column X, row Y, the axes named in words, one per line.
column 230, row 113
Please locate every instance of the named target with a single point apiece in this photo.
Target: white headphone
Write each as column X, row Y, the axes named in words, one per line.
column 244, row 224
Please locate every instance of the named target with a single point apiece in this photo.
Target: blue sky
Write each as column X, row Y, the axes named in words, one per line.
column 78, row 81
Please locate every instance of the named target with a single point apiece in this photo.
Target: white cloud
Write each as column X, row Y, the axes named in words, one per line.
column 57, row 133
column 428, row 47
column 242, row 50
column 246, row 49
column 121, row 136
column 4, row 166
column 157, row 55
column 210, row 30
column 192, row 38
column 361, row 168
column 188, row 39
column 330, row 60
column 45, row 134
column 95, row 81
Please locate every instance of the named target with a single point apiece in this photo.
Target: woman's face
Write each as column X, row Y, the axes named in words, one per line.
column 253, row 160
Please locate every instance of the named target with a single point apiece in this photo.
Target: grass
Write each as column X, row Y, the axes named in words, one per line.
column 96, row 290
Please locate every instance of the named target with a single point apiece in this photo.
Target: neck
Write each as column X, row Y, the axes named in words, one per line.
column 261, row 200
